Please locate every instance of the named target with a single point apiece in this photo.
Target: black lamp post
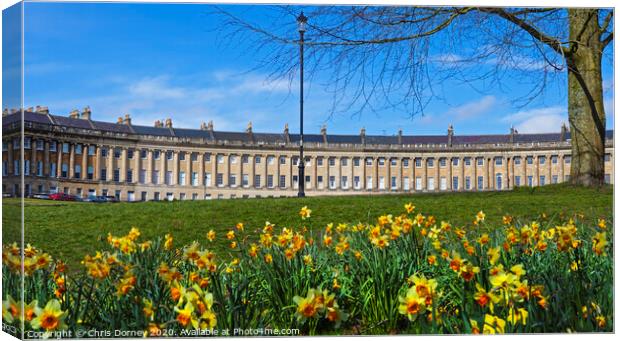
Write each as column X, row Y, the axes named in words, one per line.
column 301, row 26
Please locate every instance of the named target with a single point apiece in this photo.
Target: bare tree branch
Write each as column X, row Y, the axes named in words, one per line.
column 554, row 43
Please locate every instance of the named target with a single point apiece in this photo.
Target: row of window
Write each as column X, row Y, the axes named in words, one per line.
column 430, row 185
column 91, row 150
column 232, row 179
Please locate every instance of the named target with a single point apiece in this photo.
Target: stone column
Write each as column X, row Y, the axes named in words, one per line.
column 110, row 170
column 85, row 162
column 226, row 176
column 97, row 164
column 462, row 179
column 240, row 171
column 189, row 170
column 175, row 168
column 509, row 165
column 11, row 171
column 123, row 167
column 137, row 157
column 475, row 180
column 201, row 169
column 561, row 161
column 148, row 178
column 33, row 157
column 265, row 185
column 549, row 166
column 46, row 158
column 449, row 180
column 71, row 160
column 487, row 163
column 493, row 184
column 524, row 165
column 437, row 176
column 413, row 175
column 214, row 170
column 251, row 171
column 536, row 171
column 424, row 174
column 375, row 176
column 352, row 180
column 162, row 166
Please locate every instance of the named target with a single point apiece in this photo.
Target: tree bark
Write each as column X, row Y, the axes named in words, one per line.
column 586, row 114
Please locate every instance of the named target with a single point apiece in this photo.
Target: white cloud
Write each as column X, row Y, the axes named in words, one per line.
column 230, row 100
column 472, row 109
column 538, row 120
column 156, row 87
column 520, row 63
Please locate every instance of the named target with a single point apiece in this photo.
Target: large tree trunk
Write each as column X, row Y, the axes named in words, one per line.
column 586, row 113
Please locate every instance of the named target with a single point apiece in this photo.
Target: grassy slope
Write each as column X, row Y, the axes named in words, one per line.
column 71, row 230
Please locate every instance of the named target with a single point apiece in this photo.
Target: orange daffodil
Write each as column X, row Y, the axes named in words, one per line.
column 49, row 318
column 319, row 304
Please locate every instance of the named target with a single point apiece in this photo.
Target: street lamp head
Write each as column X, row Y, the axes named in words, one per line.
column 302, row 20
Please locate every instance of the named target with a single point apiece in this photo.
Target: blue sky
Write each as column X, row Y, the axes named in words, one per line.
column 156, row 61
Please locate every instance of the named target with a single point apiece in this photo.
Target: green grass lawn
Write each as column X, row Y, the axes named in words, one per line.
column 70, row 230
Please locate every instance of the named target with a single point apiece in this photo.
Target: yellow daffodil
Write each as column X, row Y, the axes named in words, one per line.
column 493, row 324
column 516, row 316
column 411, row 305
column 185, row 316
column 49, row 318
column 230, row 235
column 409, row 207
column 211, row 235
column 493, row 254
column 304, row 213
column 599, row 242
column 239, row 227
column 168, row 242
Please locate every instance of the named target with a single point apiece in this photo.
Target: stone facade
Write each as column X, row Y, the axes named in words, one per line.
column 79, row 156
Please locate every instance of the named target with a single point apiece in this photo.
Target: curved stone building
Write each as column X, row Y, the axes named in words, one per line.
column 81, row 156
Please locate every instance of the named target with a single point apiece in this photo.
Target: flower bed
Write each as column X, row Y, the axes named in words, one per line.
column 405, row 273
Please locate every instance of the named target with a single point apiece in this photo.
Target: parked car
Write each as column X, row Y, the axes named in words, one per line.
column 111, row 198
column 96, row 198
column 62, row 197
column 7, row 195
column 44, row 196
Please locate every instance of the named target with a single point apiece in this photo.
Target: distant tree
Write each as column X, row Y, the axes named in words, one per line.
column 386, row 57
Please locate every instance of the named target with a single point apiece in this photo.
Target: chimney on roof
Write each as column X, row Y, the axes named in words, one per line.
column 127, row 120
column 563, row 132
column 30, row 109
column 400, row 136
column 249, row 128
column 512, row 134
column 13, row 110
column 5, row 112
column 119, row 121
column 324, row 133
column 363, row 135
column 74, row 114
column 450, row 134
column 203, row 125
column 158, row 124
column 287, row 137
column 42, row 110
column 210, row 125
column 168, row 123
column 86, row 113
